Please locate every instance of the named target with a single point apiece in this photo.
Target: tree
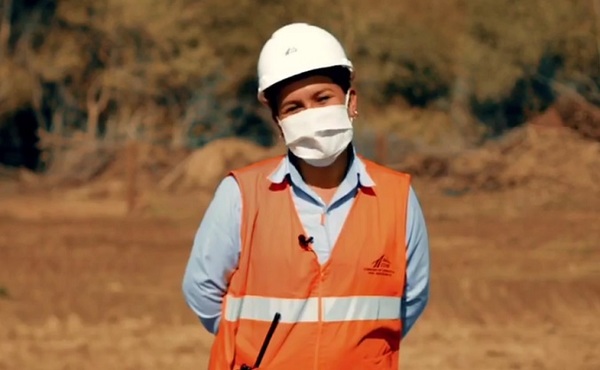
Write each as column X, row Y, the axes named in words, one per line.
column 181, row 72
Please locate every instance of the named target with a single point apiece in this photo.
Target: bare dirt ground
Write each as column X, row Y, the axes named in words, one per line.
column 515, row 285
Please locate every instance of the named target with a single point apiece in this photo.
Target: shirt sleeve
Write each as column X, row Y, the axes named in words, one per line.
column 215, row 255
column 418, row 265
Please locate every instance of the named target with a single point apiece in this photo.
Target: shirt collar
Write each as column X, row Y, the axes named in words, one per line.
column 357, row 172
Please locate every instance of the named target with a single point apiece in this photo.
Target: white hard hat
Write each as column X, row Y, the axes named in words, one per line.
column 295, row 49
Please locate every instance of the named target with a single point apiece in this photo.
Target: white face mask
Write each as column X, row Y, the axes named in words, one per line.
column 318, row 135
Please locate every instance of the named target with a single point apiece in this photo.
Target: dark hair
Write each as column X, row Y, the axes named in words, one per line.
column 339, row 75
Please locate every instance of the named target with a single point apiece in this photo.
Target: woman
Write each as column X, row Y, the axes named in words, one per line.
column 334, row 243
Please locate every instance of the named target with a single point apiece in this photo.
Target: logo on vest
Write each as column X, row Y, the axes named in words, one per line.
column 381, row 267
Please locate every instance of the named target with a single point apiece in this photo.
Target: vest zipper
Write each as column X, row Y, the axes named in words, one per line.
column 320, row 308
column 320, row 293
column 320, row 323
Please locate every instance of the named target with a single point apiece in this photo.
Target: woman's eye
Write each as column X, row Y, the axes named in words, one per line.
column 290, row 109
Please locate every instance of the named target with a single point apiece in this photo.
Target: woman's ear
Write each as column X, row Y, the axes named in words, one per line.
column 277, row 127
column 263, row 100
column 276, row 123
column 352, row 103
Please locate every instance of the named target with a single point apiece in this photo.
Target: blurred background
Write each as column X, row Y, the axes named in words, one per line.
column 118, row 118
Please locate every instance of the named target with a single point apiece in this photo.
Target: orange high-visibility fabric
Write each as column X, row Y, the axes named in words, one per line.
column 344, row 314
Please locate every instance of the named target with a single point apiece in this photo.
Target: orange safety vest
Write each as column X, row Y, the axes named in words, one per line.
column 344, row 314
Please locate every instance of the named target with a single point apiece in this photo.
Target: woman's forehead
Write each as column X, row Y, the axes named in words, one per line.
column 307, row 87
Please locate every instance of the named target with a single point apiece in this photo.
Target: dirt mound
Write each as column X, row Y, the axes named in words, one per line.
column 143, row 163
column 92, row 162
column 541, row 154
column 126, row 170
column 580, row 116
column 139, row 171
column 206, row 167
column 79, row 164
column 531, row 156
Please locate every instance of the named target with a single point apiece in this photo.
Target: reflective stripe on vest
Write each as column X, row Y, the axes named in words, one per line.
column 354, row 308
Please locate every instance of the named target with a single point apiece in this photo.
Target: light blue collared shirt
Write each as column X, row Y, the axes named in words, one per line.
column 217, row 245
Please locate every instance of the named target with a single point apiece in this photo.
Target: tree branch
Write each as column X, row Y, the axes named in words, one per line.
column 98, row 97
column 5, row 27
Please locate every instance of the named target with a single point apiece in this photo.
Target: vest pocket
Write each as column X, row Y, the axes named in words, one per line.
column 385, row 361
column 382, row 362
column 378, row 349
